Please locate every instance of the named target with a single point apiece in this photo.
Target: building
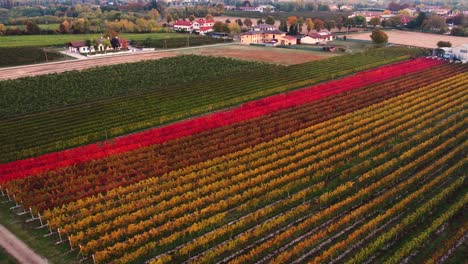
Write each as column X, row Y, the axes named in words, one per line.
column 82, row 48
column 268, row 38
column 263, row 27
column 321, row 37
column 260, row 8
column 201, row 26
column 461, row 52
column 182, row 25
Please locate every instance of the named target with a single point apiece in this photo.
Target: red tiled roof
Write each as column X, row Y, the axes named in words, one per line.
column 76, row 44
column 205, row 28
column 203, row 21
column 289, row 37
column 182, row 23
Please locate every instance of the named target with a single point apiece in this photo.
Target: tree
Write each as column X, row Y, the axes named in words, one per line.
column 310, row 24
column 260, row 21
column 379, row 37
column 191, row 18
column 300, row 24
column 239, row 22
column 32, row 28
column 209, row 17
column 283, row 25
column 456, row 31
column 292, row 20
column 374, row 21
column 248, row 22
column 359, row 20
column 2, row 29
column 234, row 28
column 228, row 21
column 318, row 24
column 270, row 20
column 115, row 42
column 442, row 44
column 459, row 19
column 293, row 29
column 434, row 23
column 218, row 26
column 106, row 43
column 329, row 24
column 64, row 27
column 169, row 18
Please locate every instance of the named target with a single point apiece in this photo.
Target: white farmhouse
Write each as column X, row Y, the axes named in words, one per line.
column 317, row 38
column 461, row 52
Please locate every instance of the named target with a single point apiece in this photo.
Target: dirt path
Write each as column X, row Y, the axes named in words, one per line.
column 417, row 39
column 62, row 66
column 18, row 249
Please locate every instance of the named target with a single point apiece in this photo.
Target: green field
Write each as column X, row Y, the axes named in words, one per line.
column 33, row 237
column 52, row 26
column 5, row 258
column 29, row 55
column 60, row 40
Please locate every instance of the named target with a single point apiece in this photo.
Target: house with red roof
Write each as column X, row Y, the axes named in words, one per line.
column 201, row 26
column 183, row 25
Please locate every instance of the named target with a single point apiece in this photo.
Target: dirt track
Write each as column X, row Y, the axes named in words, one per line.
column 416, row 39
column 39, row 69
column 18, row 249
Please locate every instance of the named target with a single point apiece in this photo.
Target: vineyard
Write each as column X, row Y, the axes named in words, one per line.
column 369, row 167
column 82, row 108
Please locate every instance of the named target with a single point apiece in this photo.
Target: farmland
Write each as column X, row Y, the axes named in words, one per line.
column 350, row 159
column 60, row 39
column 278, row 56
column 133, row 97
column 30, row 55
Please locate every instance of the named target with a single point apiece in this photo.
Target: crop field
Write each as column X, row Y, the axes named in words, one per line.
column 79, row 108
column 30, row 55
column 61, row 39
column 360, row 160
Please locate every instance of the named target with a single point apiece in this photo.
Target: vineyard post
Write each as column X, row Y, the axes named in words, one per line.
column 16, row 203
column 50, row 231
column 8, row 195
column 40, row 221
column 70, row 242
column 32, row 216
column 60, row 237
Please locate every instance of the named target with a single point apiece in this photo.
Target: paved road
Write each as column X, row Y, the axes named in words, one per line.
column 62, row 66
column 18, row 249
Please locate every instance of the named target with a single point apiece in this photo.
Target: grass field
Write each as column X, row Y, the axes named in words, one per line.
column 5, row 258
column 60, row 40
column 29, row 55
column 34, row 238
column 52, row 26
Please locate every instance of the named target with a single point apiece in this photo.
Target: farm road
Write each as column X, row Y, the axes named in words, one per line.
column 18, row 249
column 86, row 63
